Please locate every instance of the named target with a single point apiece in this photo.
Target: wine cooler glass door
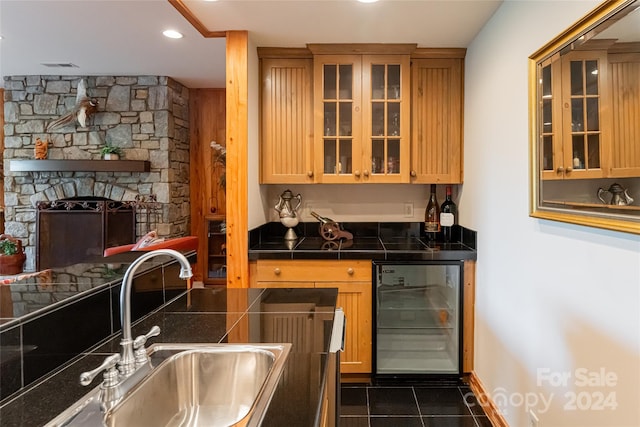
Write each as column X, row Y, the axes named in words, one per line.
column 418, row 319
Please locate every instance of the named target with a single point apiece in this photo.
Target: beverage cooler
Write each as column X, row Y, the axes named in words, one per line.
column 418, row 320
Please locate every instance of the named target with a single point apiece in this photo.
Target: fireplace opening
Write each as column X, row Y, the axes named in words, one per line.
column 76, row 230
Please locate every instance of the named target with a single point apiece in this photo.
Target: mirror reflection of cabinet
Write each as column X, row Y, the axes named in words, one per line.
column 362, row 118
column 575, row 133
column 585, row 120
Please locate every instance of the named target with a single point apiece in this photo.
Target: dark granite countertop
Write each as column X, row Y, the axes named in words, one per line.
column 214, row 316
column 376, row 241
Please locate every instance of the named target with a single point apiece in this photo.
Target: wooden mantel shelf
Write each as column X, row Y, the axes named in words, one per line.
column 79, row 166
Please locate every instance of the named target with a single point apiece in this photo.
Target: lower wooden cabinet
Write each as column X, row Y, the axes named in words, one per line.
column 352, row 278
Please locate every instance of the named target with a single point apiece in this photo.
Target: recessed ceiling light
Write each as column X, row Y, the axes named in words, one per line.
column 172, row 34
column 367, row 1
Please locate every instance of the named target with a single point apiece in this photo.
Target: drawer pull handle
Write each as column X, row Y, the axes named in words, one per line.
column 350, row 271
column 276, row 271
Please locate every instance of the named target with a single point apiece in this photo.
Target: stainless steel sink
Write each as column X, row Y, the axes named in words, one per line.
column 211, row 385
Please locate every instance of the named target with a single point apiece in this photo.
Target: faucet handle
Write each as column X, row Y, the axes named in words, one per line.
column 110, row 374
column 138, row 344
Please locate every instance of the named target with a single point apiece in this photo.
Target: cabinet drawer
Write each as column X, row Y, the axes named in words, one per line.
column 313, row 271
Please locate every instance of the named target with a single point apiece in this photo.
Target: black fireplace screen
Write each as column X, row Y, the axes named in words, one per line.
column 75, row 230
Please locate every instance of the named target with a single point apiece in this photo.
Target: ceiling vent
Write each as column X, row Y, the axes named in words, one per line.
column 59, row 65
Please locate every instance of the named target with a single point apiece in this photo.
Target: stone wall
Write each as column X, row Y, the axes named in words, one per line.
column 146, row 116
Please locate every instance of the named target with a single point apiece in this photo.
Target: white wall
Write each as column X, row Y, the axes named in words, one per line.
column 551, row 297
column 256, row 215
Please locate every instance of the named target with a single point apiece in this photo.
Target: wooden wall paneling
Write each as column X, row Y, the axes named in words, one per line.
column 207, row 123
column 625, row 100
column 237, row 146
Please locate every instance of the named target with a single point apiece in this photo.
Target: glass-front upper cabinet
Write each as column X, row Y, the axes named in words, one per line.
column 574, row 137
column 362, row 115
column 338, row 106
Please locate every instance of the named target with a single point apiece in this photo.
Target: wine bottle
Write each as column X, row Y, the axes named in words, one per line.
column 448, row 216
column 432, row 216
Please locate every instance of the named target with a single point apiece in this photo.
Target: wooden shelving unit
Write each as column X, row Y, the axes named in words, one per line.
column 216, row 261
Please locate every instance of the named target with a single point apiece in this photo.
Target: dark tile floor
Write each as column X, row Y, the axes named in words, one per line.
column 410, row 406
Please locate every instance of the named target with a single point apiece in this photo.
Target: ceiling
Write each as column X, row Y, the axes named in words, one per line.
column 123, row 37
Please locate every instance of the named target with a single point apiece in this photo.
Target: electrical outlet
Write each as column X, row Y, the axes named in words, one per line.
column 408, row 210
column 533, row 419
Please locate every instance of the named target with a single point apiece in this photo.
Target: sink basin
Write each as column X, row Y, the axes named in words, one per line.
column 204, row 385
column 211, row 385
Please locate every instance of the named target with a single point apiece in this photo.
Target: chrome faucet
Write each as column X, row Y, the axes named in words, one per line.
column 127, row 363
column 123, row 371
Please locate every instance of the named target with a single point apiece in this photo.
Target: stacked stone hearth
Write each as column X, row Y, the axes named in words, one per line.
column 146, row 116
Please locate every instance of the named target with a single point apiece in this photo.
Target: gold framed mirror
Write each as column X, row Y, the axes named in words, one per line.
column 584, row 119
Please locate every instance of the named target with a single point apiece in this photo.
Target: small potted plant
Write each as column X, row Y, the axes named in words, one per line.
column 12, row 255
column 111, row 152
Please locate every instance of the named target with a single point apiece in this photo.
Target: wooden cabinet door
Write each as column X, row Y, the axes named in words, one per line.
column 286, row 147
column 338, row 118
column 355, row 300
column 386, row 106
column 585, row 129
column 625, row 110
column 576, row 119
column 436, row 128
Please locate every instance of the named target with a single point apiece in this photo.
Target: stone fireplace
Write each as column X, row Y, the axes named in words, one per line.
column 146, row 116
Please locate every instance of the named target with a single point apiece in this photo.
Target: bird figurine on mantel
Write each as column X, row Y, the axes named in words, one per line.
column 84, row 107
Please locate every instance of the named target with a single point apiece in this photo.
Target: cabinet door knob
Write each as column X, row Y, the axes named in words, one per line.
column 350, row 271
column 569, row 169
column 560, row 170
column 276, row 271
column 366, row 172
column 357, row 173
column 310, row 174
column 413, row 173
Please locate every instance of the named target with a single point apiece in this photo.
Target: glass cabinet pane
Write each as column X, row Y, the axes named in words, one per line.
column 591, row 77
column 330, row 160
column 346, row 120
column 330, row 119
column 377, row 156
column 377, row 81
column 345, row 164
column 546, row 82
column 593, row 150
column 377, row 118
column 547, row 118
column 576, row 78
column 577, row 142
column 330, row 84
column 393, row 81
column 346, row 81
column 577, row 115
column 393, row 156
column 393, row 125
column 547, row 153
column 593, row 121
